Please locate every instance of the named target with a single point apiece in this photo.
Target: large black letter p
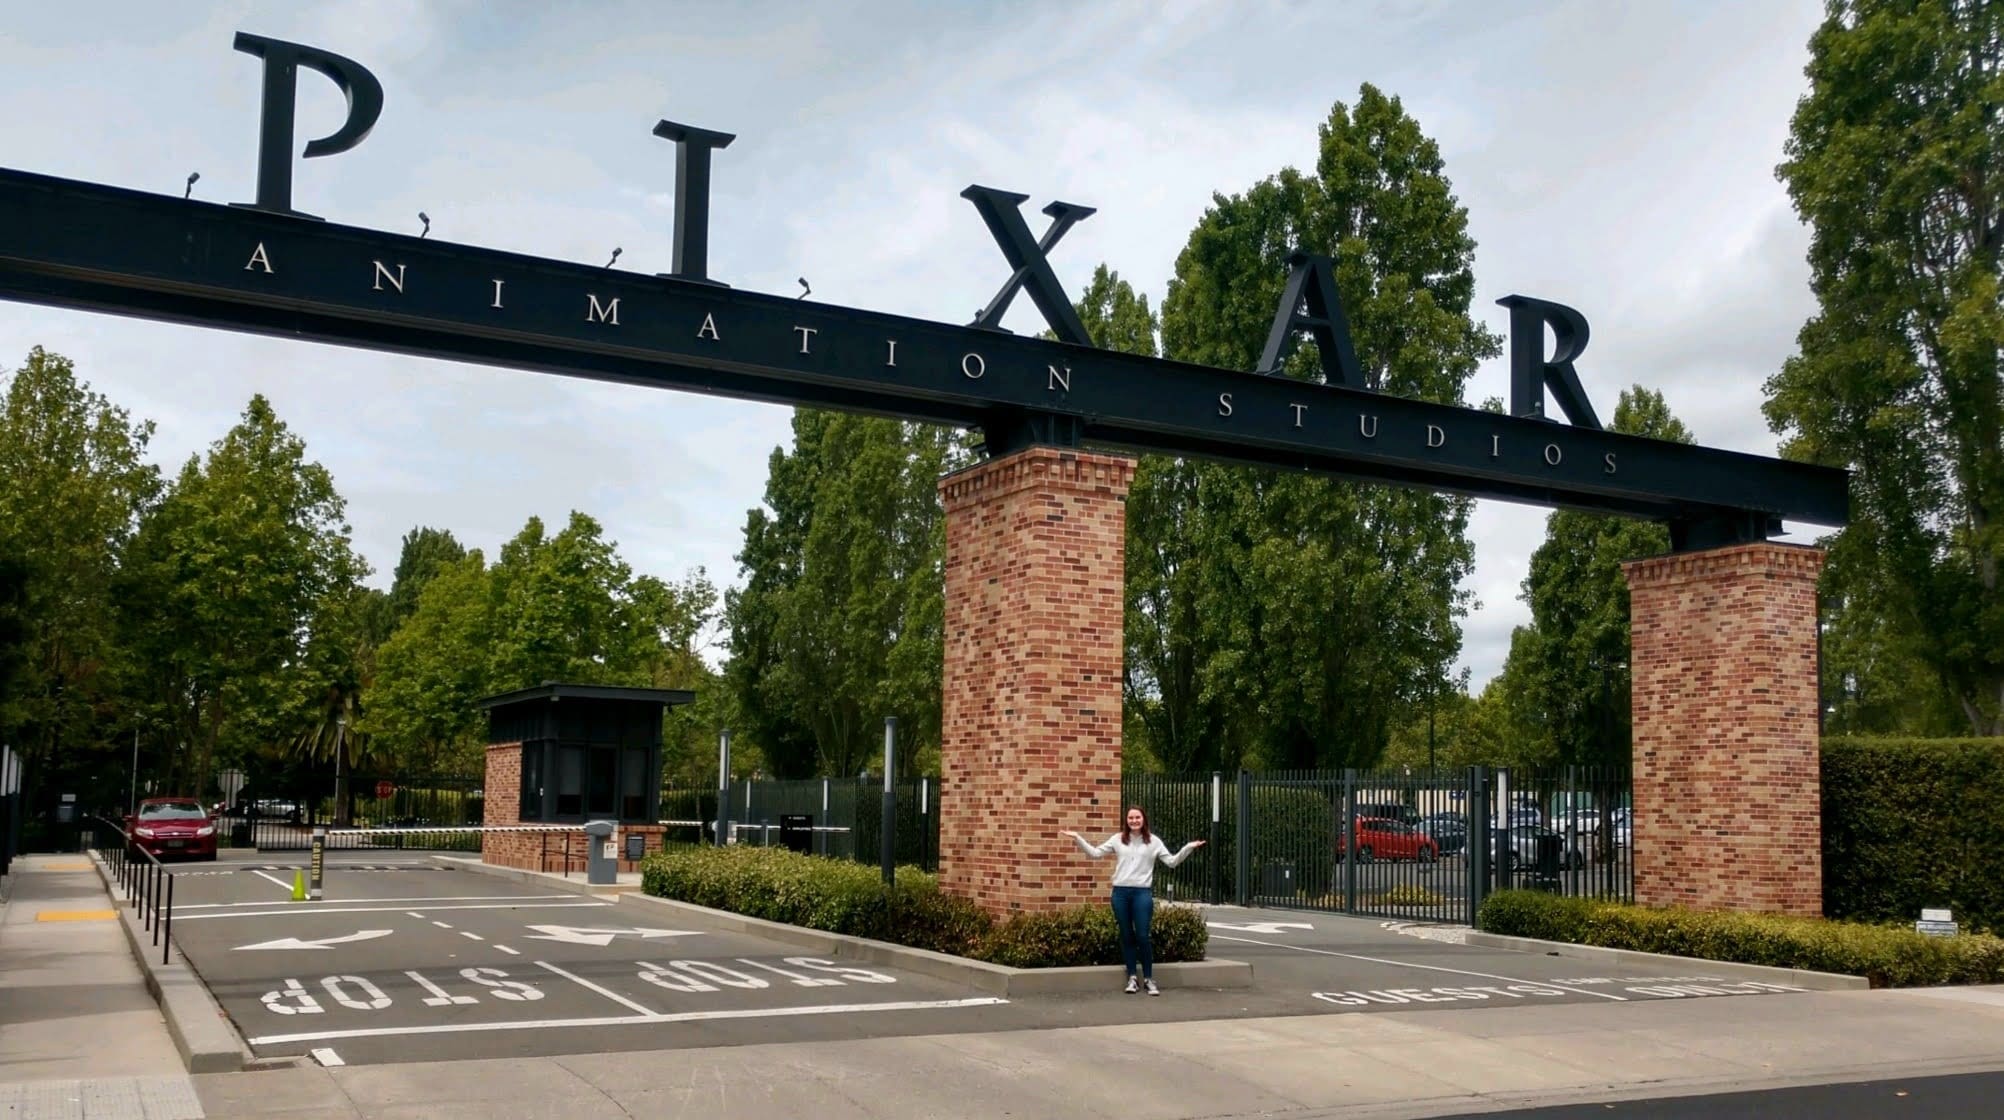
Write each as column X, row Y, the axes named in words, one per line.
column 282, row 61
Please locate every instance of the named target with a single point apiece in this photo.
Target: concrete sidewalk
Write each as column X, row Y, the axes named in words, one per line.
column 79, row 1035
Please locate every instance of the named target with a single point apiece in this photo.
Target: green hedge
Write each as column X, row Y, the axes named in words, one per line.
column 840, row 896
column 1887, row 956
column 1913, row 823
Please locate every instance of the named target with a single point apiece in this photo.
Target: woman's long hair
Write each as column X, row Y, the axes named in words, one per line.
column 1146, row 836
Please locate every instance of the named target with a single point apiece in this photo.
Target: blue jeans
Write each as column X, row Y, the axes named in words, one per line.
column 1133, row 910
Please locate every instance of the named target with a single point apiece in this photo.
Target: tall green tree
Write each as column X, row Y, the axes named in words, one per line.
column 1896, row 160
column 425, row 553
column 1323, row 612
column 1570, row 666
column 419, row 709
column 226, row 578
column 75, row 485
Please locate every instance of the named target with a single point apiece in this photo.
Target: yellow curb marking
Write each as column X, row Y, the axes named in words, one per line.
column 76, row 915
column 64, row 867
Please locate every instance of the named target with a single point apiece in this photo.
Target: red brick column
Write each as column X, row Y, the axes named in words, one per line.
column 1035, row 572
column 1728, row 811
column 503, row 805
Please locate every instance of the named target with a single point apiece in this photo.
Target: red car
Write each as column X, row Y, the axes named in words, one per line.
column 172, row 826
column 1379, row 838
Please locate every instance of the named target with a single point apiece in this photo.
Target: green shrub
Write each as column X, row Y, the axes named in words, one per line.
column 1085, row 935
column 840, row 896
column 1913, row 823
column 1890, row 957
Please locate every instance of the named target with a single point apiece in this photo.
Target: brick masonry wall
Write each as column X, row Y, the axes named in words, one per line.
column 1035, row 572
column 1728, row 794
column 533, row 851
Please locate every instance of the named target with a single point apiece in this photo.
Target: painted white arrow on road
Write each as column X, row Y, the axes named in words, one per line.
column 322, row 943
column 578, row 935
column 1260, row 927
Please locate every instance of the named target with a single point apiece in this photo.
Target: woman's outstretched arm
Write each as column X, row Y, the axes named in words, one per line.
column 1181, row 854
column 1088, row 847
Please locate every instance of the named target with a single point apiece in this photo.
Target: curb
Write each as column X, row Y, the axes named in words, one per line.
column 994, row 979
column 1795, row 977
column 201, row 1032
column 535, row 878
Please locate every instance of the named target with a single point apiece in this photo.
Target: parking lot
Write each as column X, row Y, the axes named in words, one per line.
column 407, row 960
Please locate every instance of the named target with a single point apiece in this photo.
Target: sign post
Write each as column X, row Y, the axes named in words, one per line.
column 318, row 864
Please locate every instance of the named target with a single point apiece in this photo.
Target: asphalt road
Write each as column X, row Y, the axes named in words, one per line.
column 411, row 962
column 1933, row 1098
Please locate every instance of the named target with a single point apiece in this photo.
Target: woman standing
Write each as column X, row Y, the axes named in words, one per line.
column 1135, row 851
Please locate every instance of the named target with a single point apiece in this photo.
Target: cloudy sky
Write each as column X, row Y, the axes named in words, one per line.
column 1615, row 156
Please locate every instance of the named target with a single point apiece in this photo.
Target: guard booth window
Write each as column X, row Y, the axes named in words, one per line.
column 603, row 782
column 633, row 784
column 570, row 782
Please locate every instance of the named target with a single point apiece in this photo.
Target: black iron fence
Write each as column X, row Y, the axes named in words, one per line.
column 138, row 875
column 1391, row 844
column 440, row 805
column 837, row 817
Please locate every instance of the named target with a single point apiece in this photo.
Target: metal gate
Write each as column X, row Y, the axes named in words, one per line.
column 285, row 822
column 1391, row 844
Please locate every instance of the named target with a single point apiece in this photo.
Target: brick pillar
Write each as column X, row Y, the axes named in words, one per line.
column 1728, row 811
column 1035, row 572
column 503, row 788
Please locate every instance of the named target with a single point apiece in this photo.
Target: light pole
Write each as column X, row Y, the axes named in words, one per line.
column 340, row 770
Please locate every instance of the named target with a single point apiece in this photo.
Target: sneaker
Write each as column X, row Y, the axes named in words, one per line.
column 1152, row 989
column 1133, row 985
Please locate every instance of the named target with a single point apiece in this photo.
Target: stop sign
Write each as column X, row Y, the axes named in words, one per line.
column 385, row 789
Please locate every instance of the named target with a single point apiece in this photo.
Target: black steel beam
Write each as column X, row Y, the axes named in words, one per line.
column 83, row 245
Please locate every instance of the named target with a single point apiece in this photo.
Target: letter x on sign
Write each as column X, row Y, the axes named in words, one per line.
column 1002, row 211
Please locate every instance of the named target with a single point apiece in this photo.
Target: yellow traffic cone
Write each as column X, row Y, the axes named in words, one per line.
column 298, row 886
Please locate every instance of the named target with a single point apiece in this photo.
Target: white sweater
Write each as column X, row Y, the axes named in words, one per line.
column 1134, row 863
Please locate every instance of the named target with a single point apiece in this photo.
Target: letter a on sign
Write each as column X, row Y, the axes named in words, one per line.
column 1311, row 304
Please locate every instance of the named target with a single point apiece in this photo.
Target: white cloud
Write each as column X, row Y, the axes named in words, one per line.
column 1616, row 157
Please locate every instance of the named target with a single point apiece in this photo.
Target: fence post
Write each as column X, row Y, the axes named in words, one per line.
column 1478, row 839
column 1244, row 862
column 1349, row 827
column 1217, row 808
column 821, row 834
column 887, row 829
column 723, row 788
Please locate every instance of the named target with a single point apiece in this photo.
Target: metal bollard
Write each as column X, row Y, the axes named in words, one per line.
column 167, row 938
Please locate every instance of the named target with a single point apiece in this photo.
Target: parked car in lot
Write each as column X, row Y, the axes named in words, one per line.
column 1448, row 830
column 289, row 811
column 1378, row 838
column 171, row 828
column 1523, row 851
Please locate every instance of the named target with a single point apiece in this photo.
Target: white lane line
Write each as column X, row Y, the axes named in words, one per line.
column 441, row 925
column 414, row 913
column 178, row 908
column 283, row 885
column 510, row 952
column 469, row 933
column 584, row 983
column 1428, row 967
column 377, row 909
column 621, row 1020
column 327, row 1057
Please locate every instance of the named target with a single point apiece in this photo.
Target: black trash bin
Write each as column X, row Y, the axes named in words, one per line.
column 796, row 832
column 1276, row 879
column 1547, row 862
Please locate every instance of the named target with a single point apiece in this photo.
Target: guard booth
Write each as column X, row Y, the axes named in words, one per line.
column 568, row 754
